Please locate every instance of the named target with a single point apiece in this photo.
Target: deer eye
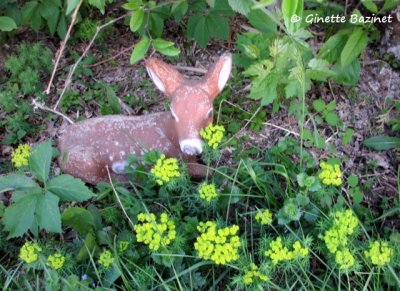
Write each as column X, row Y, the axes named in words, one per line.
column 210, row 113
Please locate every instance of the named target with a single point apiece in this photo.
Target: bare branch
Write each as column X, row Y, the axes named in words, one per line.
column 43, row 107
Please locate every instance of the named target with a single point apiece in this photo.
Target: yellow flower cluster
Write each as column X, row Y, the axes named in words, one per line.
column 264, row 217
column 219, row 245
column 106, row 259
column 165, row 169
column 29, row 252
column 279, row 253
column 155, row 234
column 123, row 246
column 252, row 274
column 379, row 253
column 56, row 261
column 20, row 155
column 213, row 135
column 344, row 259
column 207, row 192
column 344, row 224
column 331, row 174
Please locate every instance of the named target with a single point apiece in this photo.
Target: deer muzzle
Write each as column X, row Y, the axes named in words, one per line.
column 191, row 147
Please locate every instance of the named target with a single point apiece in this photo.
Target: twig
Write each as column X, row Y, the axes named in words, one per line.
column 118, row 199
column 43, row 107
column 73, row 68
column 191, row 69
column 63, row 44
column 112, row 57
column 281, row 128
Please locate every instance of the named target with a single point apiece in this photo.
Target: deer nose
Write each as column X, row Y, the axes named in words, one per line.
column 191, row 146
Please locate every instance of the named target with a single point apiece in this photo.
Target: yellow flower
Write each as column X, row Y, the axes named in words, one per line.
column 344, row 224
column 344, row 259
column 29, row 252
column 264, row 217
column 253, row 274
column 213, row 135
column 279, row 253
column 20, row 155
column 123, row 246
column 165, row 169
column 56, row 261
column 219, row 245
column 207, row 192
column 330, row 174
column 379, row 253
column 106, row 259
column 155, row 234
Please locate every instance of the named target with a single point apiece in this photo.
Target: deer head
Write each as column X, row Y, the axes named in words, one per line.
column 191, row 101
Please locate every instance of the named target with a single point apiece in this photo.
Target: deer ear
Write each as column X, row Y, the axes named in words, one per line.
column 217, row 76
column 164, row 76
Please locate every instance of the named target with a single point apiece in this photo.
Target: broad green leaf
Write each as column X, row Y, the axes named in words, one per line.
column 50, row 12
column 259, row 20
column 180, row 7
column 370, row 5
column 333, row 47
column 347, row 136
column 357, row 41
column 7, row 23
column 79, row 219
column 18, row 182
column 28, row 9
column 136, row 20
column 89, row 247
column 318, row 70
column 347, row 75
column 72, row 4
column 352, row 180
column 18, row 217
column 198, row 29
column 390, row 4
column 68, row 188
column 40, row 160
column 319, row 105
column 211, row 3
column 292, row 11
column 132, row 4
column 140, row 50
column 47, row 212
column 99, row 4
column 165, row 47
column 331, row 106
column 218, row 26
column 62, row 27
column 382, row 142
column 263, row 3
column 241, row 6
column 332, row 118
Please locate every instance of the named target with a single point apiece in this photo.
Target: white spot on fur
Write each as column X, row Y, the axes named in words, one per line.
column 119, row 167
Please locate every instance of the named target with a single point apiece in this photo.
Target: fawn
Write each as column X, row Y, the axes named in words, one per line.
column 88, row 147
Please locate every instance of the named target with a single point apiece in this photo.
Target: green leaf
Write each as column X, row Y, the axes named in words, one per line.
column 18, row 182
column 211, row 3
column 72, row 4
column 18, row 217
column 331, row 106
column 28, row 10
column 50, row 12
column 132, row 4
column 79, row 219
column 332, row 118
column 62, row 27
column 347, row 136
column 319, row 70
column 333, row 47
column 382, row 142
column 198, row 29
column 370, row 5
column 7, row 23
column 352, row 180
column 357, row 41
column 263, row 3
column 100, row 4
column 89, row 247
column 347, row 75
column 47, row 212
column 40, row 160
column 140, row 50
column 390, row 4
column 292, row 11
column 319, row 105
column 241, row 6
column 218, row 26
column 165, row 47
column 259, row 20
column 136, row 20
column 68, row 188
